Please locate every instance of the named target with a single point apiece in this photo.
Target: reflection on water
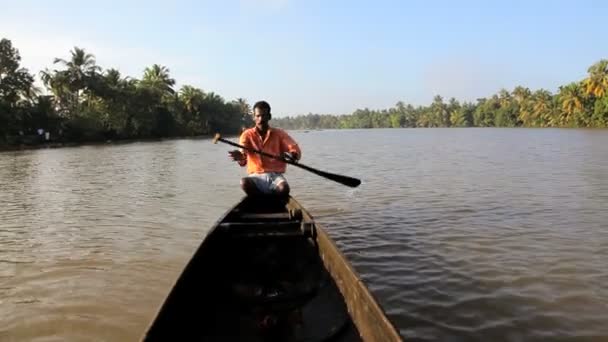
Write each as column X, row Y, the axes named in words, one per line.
column 490, row 234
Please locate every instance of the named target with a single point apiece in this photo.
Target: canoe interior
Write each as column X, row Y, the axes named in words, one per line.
column 258, row 276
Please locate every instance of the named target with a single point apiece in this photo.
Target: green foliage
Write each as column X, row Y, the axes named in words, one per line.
column 597, row 82
column 600, row 113
column 463, row 115
column 15, row 82
column 579, row 104
column 16, row 90
column 87, row 103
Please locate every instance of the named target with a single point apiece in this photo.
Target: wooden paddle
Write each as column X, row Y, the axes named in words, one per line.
column 348, row 181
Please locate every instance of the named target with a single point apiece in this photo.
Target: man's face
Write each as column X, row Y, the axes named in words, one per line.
column 260, row 117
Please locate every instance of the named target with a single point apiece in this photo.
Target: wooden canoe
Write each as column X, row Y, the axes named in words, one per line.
column 268, row 272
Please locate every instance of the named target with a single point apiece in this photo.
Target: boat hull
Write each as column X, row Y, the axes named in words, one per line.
column 268, row 272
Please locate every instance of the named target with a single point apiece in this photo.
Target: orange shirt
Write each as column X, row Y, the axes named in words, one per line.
column 276, row 142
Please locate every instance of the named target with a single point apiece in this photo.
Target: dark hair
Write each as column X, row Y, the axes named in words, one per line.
column 263, row 105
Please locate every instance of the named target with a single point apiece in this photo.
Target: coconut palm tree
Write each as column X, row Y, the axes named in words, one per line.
column 157, row 77
column 245, row 112
column 597, row 82
column 522, row 97
column 243, row 105
column 504, row 98
column 80, row 67
column 69, row 85
column 113, row 78
column 571, row 98
column 440, row 117
column 542, row 108
column 58, row 83
column 521, row 94
column 191, row 97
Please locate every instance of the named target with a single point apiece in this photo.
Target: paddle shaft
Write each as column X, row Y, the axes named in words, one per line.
column 258, row 151
column 348, row 181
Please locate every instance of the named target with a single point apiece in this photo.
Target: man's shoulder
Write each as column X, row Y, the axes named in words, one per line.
column 279, row 131
column 247, row 132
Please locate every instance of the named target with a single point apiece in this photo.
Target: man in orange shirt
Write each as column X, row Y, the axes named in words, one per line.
column 265, row 174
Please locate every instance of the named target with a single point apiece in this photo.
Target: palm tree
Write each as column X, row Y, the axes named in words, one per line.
column 504, row 98
column 193, row 116
column 113, row 77
column 157, row 77
column 191, row 97
column 440, row 115
column 245, row 111
column 542, row 111
column 485, row 111
column 597, row 82
column 81, row 66
column 58, row 83
column 79, row 77
column 521, row 94
column 571, row 97
column 522, row 97
column 243, row 105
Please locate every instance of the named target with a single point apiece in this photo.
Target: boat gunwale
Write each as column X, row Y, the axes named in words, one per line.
column 320, row 235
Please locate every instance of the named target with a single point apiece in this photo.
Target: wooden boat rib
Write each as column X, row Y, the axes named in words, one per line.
column 268, row 272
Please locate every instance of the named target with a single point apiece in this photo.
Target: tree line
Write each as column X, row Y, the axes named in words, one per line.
column 84, row 102
column 578, row 104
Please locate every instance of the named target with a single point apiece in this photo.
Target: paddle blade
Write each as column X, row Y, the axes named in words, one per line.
column 348, row 181
column 345, row 180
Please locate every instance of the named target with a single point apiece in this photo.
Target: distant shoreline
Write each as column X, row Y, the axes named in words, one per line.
column 55, row 145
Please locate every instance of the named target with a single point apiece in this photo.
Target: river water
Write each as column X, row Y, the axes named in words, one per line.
column 461, row 234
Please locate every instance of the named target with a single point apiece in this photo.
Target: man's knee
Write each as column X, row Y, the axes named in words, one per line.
column 282, row 189
column 249, row 186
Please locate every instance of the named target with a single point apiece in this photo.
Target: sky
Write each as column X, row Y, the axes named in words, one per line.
column 323, row 56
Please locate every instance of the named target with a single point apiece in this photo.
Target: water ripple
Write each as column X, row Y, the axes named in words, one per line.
column 474, row 234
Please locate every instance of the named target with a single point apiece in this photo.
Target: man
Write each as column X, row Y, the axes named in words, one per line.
column 265, row 174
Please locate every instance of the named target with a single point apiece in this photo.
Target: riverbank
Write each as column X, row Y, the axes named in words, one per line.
column 48, row 145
